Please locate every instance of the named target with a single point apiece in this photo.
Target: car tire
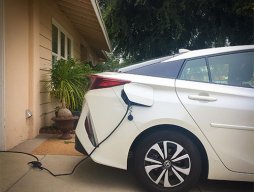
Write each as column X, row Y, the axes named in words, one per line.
column 167, row 161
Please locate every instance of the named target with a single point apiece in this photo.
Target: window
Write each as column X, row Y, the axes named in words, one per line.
column 69, row 48
column 162, row 69
column 54, row 39
column 61, row 43
column 233, row 69
column 195, row 70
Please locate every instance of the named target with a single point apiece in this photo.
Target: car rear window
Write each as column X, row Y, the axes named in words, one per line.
column 168, row 69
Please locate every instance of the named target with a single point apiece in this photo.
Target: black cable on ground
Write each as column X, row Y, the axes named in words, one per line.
column 38, row 164
column 21, row 153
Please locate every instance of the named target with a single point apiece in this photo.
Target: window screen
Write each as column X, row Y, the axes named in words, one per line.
column 68, row 48
column 62, row 44
column 54, row 39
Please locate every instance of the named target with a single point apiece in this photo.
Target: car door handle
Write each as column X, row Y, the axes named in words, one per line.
column 202, row 98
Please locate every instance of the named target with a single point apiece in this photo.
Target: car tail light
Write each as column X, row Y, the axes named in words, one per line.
column 99, row 82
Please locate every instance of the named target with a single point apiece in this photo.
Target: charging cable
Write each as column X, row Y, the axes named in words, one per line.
column 38, row 164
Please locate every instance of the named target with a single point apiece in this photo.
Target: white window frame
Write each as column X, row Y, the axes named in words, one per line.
column 67, row 36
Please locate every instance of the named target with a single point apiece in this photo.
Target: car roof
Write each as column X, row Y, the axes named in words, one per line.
column 187, row 55
column 144, row 63
column 209, row 51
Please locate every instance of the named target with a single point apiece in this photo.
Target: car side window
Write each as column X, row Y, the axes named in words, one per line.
column 195, row 70
column 162, row 69
column 233, row 69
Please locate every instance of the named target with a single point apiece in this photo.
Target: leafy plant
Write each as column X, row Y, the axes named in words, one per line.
column 69, row 81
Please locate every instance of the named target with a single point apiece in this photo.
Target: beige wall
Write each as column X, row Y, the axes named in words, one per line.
column 16, row 71
column 2, row 133
column 27, row 58
column 21, row 70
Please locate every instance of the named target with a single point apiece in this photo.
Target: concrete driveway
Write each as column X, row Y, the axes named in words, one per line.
column 16, row 176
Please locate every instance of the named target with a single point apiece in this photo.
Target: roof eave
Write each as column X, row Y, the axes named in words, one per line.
column 101, row 22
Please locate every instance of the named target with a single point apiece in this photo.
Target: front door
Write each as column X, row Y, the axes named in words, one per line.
column 218, row 92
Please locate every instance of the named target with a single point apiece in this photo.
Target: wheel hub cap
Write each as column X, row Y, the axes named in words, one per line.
column 167, row 164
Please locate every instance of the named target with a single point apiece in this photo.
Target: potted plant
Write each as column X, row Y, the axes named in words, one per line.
column 68, row 84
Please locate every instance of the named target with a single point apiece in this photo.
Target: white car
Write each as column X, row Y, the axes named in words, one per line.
column 175, row 119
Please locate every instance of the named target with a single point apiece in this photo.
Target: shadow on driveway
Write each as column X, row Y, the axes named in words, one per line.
column 89, row 176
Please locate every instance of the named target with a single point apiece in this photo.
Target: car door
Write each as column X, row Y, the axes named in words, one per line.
column 218, row 93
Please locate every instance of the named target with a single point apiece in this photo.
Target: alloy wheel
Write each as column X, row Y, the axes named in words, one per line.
column 167, row 164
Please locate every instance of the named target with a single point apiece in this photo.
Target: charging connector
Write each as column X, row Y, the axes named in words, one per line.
column 35, row 164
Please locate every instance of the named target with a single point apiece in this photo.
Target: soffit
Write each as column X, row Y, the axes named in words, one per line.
column 85, row 17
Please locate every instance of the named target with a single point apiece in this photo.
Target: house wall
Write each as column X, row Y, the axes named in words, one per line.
column 50, row 10
column 27, row 53
column 2, row 132
column 21, row 30
column 16, row 71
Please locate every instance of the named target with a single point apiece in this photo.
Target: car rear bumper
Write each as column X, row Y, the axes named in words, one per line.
column 79, row 147
column 103, row 119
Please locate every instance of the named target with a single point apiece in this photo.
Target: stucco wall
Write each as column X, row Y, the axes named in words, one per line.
column 16, row 71
column 2, row 133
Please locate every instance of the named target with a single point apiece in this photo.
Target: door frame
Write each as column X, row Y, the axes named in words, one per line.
column 2, row 83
